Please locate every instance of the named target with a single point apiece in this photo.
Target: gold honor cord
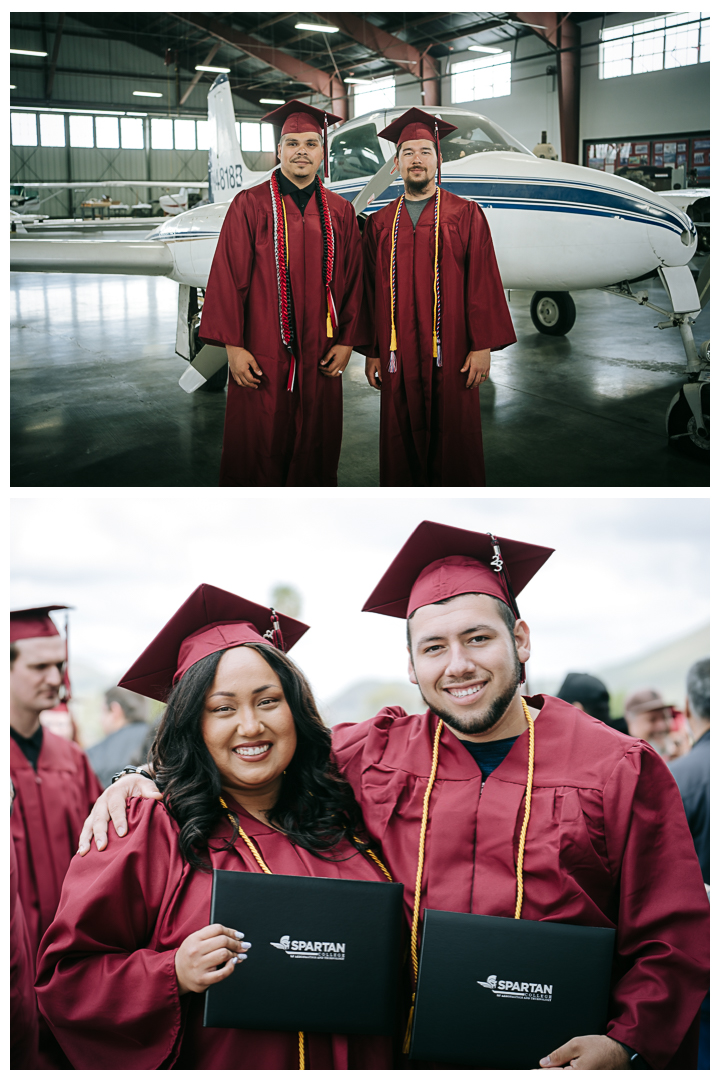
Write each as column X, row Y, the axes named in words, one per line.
column 421, row 850
column 266, row 870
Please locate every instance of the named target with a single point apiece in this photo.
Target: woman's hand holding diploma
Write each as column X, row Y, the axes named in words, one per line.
column 208, row 956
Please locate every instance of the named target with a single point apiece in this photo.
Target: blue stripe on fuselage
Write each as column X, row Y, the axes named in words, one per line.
column 509, row 194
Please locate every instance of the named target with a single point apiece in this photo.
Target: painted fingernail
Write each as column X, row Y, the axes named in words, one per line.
column 247, row 944
column 238, row 935
column 121, row 831
column 545, row 1061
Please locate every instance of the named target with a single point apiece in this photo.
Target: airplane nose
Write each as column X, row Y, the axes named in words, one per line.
column 674, row 246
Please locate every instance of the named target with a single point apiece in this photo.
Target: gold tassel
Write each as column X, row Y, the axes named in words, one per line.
column 329, row 325
column 393, row 339
column 408, row 1030
column 434, row 344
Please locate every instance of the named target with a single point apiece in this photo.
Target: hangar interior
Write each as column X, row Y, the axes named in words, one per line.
column 98, row 99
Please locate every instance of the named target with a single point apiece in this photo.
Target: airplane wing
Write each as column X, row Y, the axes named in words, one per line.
column 87, row 184
column 91, row 257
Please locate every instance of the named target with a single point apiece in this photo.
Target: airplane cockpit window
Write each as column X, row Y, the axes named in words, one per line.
column 476, row 135
column 355, row 153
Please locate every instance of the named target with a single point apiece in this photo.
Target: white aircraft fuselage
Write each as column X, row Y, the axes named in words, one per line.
column 554, row 226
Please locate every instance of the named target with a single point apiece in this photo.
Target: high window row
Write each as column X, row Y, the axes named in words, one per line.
column 128, row 133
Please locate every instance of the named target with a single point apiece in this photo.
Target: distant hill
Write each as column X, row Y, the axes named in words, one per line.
column 364, row 699
column 663, row 669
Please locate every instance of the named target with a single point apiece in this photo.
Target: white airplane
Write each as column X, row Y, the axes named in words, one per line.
column 556, row 227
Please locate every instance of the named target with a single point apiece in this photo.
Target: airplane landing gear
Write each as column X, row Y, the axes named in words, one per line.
column 687, row 420
column 214, row 376
column 553, row 312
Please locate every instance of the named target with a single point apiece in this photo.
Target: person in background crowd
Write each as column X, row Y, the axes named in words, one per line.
column 23, row 1007
column 677, row 743
column 54, row 784
column 591, row 695
column 124, row 721
column 649, row 717
column 692, row 773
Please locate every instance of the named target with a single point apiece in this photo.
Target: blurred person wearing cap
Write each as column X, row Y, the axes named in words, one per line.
column 692, row 774
column 244, row 762
column 649, row 717
column 444, row 793
column 591, row 695
column 436, row 303
column 54, row 784
column 124, row 720
column 284, row 297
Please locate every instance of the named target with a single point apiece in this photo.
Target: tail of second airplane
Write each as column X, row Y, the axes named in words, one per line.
column 225, row 163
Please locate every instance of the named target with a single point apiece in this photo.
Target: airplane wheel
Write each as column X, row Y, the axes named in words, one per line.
column 682, row 427
column 553, row 312
column 216, row 383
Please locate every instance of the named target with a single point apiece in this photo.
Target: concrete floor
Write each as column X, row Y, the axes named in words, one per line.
column 96, row 401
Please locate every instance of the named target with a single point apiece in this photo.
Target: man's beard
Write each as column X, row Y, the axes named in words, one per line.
column 418, row 186
column 491, row 714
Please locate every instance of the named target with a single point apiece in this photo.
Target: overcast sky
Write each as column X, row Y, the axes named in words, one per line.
column 628, row 574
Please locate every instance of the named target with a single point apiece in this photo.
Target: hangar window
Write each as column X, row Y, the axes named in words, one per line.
column 107, row 134
column 82, row 131
column 203, row 134
column 256, row 137
column 161, row 134
column 473, row 80
column 131, row 133
column 52, row 129
column 184, row 134
column 24, row 129
column 381, row 95
column 653, row 44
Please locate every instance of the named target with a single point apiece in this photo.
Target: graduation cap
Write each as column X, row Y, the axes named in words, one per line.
column 418, row 124
column 296, row 116
column 36, row 622
column 440, row 561
column 211, row 619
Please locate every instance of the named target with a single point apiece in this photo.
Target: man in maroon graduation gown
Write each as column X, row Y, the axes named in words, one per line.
column 284, row 296
column 54, row 784
column 607, row 843
column 436, row 301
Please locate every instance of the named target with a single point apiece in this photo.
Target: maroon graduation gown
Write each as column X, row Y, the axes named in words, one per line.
column 607, row 845
column 106, row 976
column 274, row 436
column 430, row 431
column 49, row 811
column 23, row 1010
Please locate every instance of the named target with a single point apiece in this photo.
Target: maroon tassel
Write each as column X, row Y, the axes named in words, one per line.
column 437, row 151
column 325, row 150
column 277, row 637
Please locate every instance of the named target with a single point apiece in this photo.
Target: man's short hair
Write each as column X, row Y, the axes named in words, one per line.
column 504, row 611
column 698, row 688
column 14, row 653
column 134, row 706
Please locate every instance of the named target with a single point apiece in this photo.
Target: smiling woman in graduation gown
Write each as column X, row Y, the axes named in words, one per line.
column 107, row 980
column 116, row 980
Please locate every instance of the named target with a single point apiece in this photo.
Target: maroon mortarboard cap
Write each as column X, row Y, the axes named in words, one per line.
column 296, row 116
column 34, row 622
column 418, row 124
column 440, row 561
column 211, row 619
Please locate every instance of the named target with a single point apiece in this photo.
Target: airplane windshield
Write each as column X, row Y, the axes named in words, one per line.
column 475, row 135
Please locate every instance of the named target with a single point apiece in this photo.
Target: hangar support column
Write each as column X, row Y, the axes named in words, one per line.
column 563, row 36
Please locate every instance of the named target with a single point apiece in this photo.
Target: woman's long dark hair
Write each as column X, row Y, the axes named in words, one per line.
column 316, row 807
